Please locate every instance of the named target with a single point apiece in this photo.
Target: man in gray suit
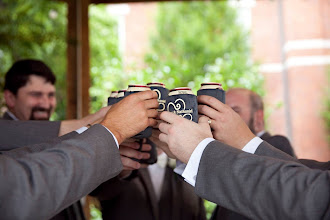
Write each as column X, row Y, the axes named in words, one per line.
column 259, row 182
column 29, row 93
column 41, row 180
column 250, row 107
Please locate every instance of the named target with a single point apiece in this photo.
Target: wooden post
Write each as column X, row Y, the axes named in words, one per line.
column 78, row 78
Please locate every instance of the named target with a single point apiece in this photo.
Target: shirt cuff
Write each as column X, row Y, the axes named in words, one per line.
column 112, row 136
column 252, row 145
column 81, row 130
column 190, row 171
column 179, row 167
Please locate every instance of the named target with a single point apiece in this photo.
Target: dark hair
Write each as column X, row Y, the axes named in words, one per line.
column 18, row 75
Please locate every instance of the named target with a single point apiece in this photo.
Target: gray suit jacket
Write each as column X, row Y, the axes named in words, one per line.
column 271, row 186
column 14, row 134
column 136, row 199
column 56, row 174
column 278, row 141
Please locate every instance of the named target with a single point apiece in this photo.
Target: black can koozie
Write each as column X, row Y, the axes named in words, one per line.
column 183, row 102
column 121, row 95
column 162, row 93
column 134, row 89
column 113, row 98
column 213, row 89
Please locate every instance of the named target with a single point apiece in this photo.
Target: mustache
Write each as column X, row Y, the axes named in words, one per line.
column 40, row 109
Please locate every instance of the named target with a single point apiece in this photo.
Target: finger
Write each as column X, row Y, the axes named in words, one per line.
column 212, row 102
column 129, row 152
column 157, row 124
column 155, row 133
column 152, row 113
column 146, row 147
column 129, row 163
column 152, row 122
column 208, row 111
column 145, row 95
column 164, row 138
column 145, row 155
column 133, row 145
column 169, row 117
column 143, row 165
column 164, row 127
column 158, row 116
column 203, row 120
column 128, row 168
column 151, row 104
column 130, row 140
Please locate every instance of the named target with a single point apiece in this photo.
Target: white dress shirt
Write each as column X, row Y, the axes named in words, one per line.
column 189, row 171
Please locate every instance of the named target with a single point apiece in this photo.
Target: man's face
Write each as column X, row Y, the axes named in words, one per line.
column 34, row 101
column 239, row 101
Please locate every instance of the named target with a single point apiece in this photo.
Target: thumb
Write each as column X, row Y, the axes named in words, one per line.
column 203, row 122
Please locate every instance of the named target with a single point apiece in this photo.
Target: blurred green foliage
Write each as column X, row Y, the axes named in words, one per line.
column 199, row 42
column 209, row 208
column 105, row 61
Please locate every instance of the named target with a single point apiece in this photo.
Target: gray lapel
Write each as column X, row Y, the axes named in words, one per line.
column 6, row 116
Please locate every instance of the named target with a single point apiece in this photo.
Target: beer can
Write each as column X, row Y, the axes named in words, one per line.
column 183, row 102
column 121, row 94
column 162, row 93
column 134, row 89
column 112, row 99
column 147, row 132
column 212, row 89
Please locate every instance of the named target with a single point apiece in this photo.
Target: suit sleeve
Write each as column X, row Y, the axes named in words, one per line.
column 14, row 134
column 270, row 151
column 38, row 185
column 262, row 187
column 22, row 151
column 282, row 143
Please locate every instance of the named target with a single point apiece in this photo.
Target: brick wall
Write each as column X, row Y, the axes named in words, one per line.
column 307, row 46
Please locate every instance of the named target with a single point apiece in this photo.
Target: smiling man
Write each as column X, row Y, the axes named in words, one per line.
column 29, row 91
column 30, row 95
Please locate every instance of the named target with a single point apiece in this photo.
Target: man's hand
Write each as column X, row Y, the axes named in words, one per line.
column 181, row 135
column 161, row 145
column 130, row 150
column 132, row 115
column 227, row 125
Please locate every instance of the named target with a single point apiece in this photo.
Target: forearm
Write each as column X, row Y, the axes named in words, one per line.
column 250, row 184
column 22, row 151
column 50, row 180
column 14, row 134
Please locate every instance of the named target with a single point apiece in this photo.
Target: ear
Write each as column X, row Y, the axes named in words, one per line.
column 10, row 99
column 259, row 120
